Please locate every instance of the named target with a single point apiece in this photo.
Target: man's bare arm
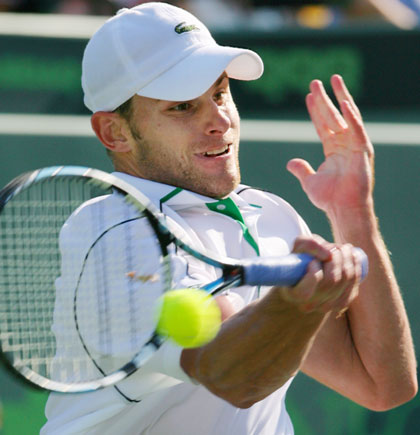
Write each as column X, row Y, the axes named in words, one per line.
column 367, row 354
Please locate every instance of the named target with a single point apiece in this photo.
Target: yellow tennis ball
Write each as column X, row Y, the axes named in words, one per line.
column 188, row 316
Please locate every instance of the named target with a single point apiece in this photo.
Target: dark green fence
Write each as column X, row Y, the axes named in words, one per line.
column 381, row 66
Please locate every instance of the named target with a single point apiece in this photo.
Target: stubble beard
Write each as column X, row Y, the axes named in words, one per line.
column 186, row 177
column 213, row 187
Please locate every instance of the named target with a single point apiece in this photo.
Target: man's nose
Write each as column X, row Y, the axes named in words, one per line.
column 217, row 119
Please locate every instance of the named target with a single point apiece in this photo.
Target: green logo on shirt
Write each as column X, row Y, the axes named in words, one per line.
column 184, row 27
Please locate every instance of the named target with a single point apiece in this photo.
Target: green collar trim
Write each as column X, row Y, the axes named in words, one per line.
column 229, row 208
column 171, row 195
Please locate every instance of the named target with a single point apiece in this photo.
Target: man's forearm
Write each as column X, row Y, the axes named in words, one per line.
column 257, row 351
column 377, row 318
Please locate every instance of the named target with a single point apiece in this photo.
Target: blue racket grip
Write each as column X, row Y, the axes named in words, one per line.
column 287, row 270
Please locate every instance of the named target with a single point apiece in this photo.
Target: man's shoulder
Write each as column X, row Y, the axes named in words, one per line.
column 252, row 193
column 274, row 208
column 95, row 217
column 244, row 189
column 108, row 207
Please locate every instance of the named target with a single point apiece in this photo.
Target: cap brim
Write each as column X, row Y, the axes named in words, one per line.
column 196, row 73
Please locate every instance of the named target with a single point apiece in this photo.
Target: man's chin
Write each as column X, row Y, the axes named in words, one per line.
column 218, row 190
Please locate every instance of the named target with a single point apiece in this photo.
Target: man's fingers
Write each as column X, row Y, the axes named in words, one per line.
column 323, row 109
column 331, row 281
column 313, row 245
column 342, row 93
column 301, row 169
column 360, row 137
column 303, row 292
column 343, row 277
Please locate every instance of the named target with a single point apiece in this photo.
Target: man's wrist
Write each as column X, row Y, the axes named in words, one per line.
column 352, row 224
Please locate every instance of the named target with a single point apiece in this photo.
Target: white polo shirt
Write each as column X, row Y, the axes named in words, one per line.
column 160, row 398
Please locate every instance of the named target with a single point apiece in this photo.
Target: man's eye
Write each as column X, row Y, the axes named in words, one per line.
column 221, row 97
column 181, row 107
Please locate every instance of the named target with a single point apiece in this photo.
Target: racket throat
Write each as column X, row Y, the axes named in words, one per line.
column 232, row 277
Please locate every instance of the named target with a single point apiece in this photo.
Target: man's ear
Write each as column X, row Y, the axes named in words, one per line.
column 112, row 130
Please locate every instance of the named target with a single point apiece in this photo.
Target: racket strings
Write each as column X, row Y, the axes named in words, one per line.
column 27, row 225
column 123, row 321
column 30, row 321
column 79, row 277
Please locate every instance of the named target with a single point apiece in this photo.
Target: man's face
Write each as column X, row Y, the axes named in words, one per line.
column 192, row 144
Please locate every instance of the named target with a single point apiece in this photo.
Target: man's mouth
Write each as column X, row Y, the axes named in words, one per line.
column 218, row 152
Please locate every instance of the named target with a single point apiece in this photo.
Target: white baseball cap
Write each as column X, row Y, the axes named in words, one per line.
column 158, row 51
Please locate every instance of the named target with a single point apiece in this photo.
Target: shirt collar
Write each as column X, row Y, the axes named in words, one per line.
column 182, row 199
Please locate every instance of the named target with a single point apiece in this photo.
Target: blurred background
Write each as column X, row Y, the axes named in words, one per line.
column 373, row 44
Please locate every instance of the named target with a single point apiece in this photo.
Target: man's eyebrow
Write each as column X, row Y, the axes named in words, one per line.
column 220, row 79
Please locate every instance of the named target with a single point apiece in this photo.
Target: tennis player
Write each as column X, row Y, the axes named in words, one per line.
column 158, row 86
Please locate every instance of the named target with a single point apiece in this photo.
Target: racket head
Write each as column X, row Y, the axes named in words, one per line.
column 86, row 335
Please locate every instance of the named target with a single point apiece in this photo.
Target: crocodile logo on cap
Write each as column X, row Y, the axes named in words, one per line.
column 184, row 27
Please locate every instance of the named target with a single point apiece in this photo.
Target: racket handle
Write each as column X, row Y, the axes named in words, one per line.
column 285, row 271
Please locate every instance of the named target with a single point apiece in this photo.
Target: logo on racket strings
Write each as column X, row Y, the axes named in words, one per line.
column 143, row 278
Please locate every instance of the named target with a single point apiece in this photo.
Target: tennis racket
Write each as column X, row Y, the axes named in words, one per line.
column 77, row 310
